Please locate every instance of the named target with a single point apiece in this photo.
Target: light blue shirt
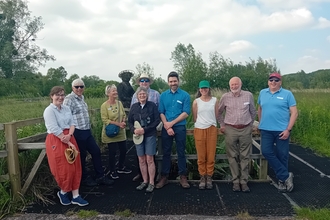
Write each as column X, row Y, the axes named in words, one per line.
column 275, row 109
column 56, row 120
column 153, row 96
column 173, row 104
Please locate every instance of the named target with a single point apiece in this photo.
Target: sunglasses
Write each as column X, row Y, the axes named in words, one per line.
column 276, row 80
column 144, row 80
column 62, row 95
column 77, row 87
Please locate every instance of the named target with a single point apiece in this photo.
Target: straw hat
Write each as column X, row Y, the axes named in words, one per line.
column 144, row 76
column 71, row 154
column 137, row 139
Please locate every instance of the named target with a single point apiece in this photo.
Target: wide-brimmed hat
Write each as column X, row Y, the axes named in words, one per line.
column 144, row 76
column 137, row 139
column 71, row 154
column 131, row 72
column 276, row 75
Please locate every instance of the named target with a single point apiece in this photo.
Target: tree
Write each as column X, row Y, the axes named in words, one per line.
column 18, row 33
column 189, row 65
column 144, row 68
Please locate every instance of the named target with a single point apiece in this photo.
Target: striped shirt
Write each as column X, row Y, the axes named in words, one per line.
column 79, row 110
column 239, row 110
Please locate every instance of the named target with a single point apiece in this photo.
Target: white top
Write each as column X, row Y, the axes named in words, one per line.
column 206, row 113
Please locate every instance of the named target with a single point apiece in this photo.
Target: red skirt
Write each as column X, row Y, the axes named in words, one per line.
column 67, row 176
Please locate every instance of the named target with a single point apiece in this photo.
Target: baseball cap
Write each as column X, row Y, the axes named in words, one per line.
column 204, row 84
column 277, row 75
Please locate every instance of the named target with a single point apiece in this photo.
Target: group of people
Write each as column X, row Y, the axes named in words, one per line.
column 68, row 126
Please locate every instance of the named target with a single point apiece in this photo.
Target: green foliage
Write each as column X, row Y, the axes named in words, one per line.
column 87, row 213
column 319, row 79
column 125, row 213
column 312, row 213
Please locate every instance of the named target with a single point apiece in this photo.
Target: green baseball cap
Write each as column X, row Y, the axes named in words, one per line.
column 204, row 84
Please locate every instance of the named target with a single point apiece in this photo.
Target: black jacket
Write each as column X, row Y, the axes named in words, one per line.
column 148, row 117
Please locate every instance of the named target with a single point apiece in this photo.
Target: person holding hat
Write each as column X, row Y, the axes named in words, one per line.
column 205, row 133
column 277, row 114
column 143, row 119
column 145, row 81
column 60, row 127
column 125, row 89
column 236, row 115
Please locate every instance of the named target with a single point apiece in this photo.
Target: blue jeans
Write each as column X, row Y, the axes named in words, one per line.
column 278, row 155
column 86, row 143
column 167, row 142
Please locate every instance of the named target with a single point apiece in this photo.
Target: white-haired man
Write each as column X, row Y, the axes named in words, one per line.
column 83, row 135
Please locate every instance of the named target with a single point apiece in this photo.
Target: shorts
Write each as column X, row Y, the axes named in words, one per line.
column 147, row 147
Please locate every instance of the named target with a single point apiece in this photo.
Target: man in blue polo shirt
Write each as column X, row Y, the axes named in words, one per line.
column 174, row 108
column 277, row 114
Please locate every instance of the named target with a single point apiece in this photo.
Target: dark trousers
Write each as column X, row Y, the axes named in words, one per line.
column 112, row 154
column 86, row 143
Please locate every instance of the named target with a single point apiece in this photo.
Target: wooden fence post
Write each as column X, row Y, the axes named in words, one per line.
column 12, row 159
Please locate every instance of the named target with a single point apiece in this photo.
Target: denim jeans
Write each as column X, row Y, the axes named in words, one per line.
column 278, row 155
column 86, row 143
column 167, row 142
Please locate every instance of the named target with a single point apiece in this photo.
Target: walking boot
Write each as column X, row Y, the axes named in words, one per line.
column 202, row 183
column 162, row 182
column 209, row 184
column 183, row 182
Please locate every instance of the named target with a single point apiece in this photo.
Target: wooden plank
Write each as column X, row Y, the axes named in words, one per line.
column 31, row 146
column 3, row 153
column 13, row 163
column 33, row 138
column 33, row 171
column 27, row 122
column 4, row 178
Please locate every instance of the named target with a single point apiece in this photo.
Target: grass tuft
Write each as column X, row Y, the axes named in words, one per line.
column 125, row 213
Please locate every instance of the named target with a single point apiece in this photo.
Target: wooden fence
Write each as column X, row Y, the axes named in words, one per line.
column 14, row 145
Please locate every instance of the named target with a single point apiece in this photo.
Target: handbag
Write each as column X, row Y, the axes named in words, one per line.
column 70, row 154
column 112, row 130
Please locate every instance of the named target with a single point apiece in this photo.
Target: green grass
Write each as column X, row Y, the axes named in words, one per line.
column 312, row 214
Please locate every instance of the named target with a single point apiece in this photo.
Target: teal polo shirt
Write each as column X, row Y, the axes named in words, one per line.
column 275, row 109
column 173, row 104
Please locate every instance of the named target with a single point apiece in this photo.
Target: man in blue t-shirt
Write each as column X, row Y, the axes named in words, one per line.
column 174, row 108
column 277, row 114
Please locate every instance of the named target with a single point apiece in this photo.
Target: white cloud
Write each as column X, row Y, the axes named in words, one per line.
column 238, row 46
column 323, row 23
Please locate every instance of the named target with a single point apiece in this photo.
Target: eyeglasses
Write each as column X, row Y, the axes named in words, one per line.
column 144, row 80
column 77, row 87
column 62, row 95
column 276, row 80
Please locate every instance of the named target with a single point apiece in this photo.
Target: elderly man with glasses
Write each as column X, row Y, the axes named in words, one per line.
column 277, row 114
column 83, row 135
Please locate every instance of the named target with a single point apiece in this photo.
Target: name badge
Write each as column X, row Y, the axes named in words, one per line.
column 246, row 103
column 178, row 101
column 278, row 97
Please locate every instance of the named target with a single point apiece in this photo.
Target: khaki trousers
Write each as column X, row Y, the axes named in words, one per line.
column 238, row 149
column 205, row 142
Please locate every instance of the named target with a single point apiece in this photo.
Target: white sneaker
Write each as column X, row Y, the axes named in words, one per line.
column 289, row 182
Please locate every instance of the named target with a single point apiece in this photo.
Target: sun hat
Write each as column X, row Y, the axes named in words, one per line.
column 131, row 72
column 137, row 139
column 204, row 84
column 71, row 154
column 276, row 75
column 144, row 76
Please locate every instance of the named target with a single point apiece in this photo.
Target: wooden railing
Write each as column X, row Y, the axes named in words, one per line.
column 14, row 145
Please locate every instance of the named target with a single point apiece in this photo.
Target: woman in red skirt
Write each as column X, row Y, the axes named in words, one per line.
column 60, row 127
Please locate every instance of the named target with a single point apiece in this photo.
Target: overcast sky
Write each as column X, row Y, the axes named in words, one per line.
column 104, row 37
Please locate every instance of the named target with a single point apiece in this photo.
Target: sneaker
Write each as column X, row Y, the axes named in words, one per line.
column 162, row 182
column 89, row 182
column 64, row 198
column 183, row 182
column 104, row 180
column 245, row 188
column 142, row 186
column 289, row 182
column 124, row 170
column 150, row 188
column 236, row 187
column 281, row 187
column 79, row 201
column 209, row 184
column 114, row 175
column 202, row 183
